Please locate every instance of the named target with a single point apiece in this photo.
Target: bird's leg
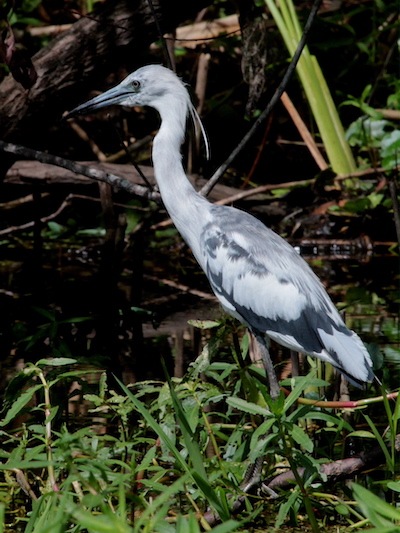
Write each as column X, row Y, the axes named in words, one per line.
column 294, row 357
column 253, row 473
column 274, row 388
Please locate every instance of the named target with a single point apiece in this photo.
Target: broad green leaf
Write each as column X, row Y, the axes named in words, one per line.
column 201, row 363
column 301, row 384
column 362, row 433
column 394, row 485
column 2, row 517
column 342, row 509
column 247, row 407
column 300, row 436
column 19, row 404
column 202, row 483
column 56, row 361
column 192, row 415
column 374, row 508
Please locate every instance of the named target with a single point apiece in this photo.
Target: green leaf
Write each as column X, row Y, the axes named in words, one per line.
column 19, row 404
column 56, row 228
column 362, row 433
column 375, row 199
column 56, row 361
column 24, row 465
column 330, row 419
column 192, row 415
column 247, row 407
column 201, row 363
column 280, row 193
column 162, row 500
column 109, row 523
column 226, row 527
column 188, row 435
column 204, row 324
column 374, row 508
column 203, row 484
column 301, row 437
column 260, row 440
column 301, row 384
column 342, row 509
column 394, row 485
column 381, row 442
column 286, row 506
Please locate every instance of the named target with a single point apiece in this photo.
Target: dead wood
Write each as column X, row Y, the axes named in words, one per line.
column 23, row 172
column 117, row 35
column 92, row 172
column 335, row 471
column 330, row 473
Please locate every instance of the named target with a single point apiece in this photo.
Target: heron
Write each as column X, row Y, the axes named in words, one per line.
column 256, row 275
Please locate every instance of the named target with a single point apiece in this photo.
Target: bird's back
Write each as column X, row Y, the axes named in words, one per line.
column 260, row 279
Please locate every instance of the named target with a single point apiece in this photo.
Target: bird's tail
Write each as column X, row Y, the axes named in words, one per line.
column 346, row 352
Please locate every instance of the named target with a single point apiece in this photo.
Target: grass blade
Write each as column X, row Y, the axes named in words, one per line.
column 202, row 483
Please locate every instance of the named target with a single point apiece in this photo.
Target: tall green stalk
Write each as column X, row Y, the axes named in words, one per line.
column 315, row 87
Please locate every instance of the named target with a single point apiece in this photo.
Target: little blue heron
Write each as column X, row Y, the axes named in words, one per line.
column 256, row 275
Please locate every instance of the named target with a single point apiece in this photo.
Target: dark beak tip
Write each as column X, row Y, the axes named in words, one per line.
column 74, row 113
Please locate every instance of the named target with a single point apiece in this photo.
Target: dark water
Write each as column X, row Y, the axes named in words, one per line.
column 63, row 299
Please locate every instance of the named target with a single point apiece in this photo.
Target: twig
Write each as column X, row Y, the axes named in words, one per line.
column 181, row 287
column 344, row 405
column 24, row 483
column 167, row 55
column 396, row 208
column 259, row 153
column 31, row 224
column 390, row 114
column 264, row 188
column 340, row 469
column 304, row 132
column 52, row 216
column 12, row 204
column 77, row 168
column 274, row 100
column 48, row 31
column 299, row 183
column 85, row 137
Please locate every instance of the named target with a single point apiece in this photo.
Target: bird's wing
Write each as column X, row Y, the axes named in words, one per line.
column 259, row 278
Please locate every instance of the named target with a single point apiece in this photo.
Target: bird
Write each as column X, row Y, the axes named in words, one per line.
column 256, row 275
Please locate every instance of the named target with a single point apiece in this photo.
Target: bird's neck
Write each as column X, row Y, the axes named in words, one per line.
column 178, row 195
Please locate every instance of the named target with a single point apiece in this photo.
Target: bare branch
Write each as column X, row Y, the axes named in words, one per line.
column 90, row 172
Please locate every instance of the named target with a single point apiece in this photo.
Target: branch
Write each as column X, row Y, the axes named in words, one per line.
column 334, row 471
column 93, row 173
column 272, row 103
column 116, row 35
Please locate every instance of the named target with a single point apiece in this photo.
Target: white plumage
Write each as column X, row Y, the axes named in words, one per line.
column 256, row 275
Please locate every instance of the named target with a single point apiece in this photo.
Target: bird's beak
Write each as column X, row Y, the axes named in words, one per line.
column 113, row 96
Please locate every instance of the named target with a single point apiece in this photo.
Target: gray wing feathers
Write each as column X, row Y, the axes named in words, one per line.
column 260, row 279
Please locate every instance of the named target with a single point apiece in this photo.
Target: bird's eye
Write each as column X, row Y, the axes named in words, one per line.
column 136, row 85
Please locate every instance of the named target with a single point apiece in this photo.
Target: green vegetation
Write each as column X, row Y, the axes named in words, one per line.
column 316, row 89
column 166, row 456
column 82, row 452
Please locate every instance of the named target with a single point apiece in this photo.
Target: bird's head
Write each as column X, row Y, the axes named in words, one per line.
column 152, row 85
